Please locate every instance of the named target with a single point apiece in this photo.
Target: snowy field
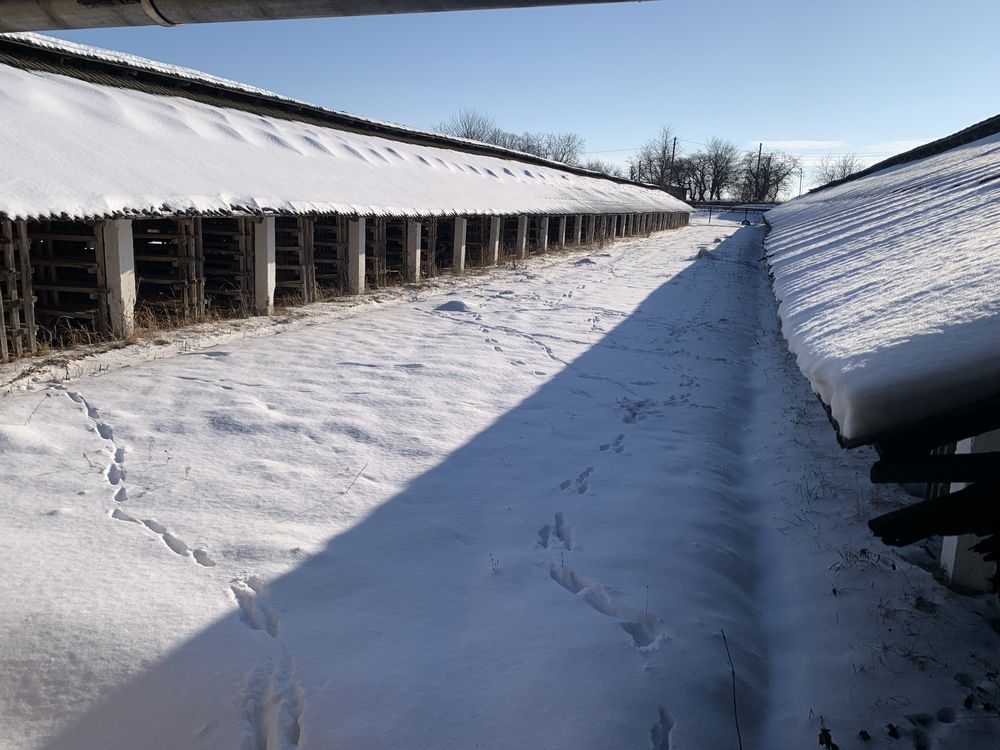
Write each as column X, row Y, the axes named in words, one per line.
column 515, row 510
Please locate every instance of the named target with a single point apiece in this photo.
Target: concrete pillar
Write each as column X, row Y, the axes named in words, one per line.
column 578, row 229
column 458, row 245
column 413, row 230
column 562, row 232
column 591, row 228
column 543, row 234
column 493, row 249
column 356, row 255
column 119, row 269
column 521, row 245
column 614, row 226
column 963, row 567
column 264, row 270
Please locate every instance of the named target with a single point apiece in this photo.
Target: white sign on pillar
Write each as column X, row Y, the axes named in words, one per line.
column 356, row 255
column 493, row 252
column 458, row 245
column 264, row 269
column 413, row 231
column 119, row 268
column 522, row 237
column 963, row 566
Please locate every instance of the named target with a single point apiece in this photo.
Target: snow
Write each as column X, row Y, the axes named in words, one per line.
column 161, row 154
column 888, row 289
column 520, row 524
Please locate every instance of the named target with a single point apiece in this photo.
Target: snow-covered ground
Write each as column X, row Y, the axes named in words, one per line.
column 511, row 511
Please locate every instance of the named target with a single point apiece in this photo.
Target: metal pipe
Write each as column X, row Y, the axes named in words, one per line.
column 44, row 15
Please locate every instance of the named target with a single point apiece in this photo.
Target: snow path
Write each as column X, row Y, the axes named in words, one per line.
column 513, row 514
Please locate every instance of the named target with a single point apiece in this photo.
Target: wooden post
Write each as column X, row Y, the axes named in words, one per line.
column 458, row 245
column 264, row 267
column 591, row 228
column 521, row 245
column 413, row 230
column 614, row 226
column 562, row 232
column 493, row 249
column 578, row 229
column 543, row 234
column 356, row 255
column 119, row 270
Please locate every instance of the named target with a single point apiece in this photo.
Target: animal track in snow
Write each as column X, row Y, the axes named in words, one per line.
column 273, row 705
column 645, row 627
column 581, row 481
column 249, row 592
column 560, row 530
column 660, row 733
column 173, row 542
column 115, row 473
column 636, row 410
column 617, row 445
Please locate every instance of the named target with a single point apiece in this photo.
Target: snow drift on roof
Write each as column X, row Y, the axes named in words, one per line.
column 87, row 150
column 889, row 292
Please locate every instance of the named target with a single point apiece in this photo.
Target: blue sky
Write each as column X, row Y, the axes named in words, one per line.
column 811, row 77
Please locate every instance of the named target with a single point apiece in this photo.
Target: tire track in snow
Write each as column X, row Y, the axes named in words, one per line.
column 115, row 475
column 274, row 700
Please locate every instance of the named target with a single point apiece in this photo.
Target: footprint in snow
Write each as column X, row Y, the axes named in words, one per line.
column 660, row 733
column 617, row 445
column 581, row 481
column 559, row 530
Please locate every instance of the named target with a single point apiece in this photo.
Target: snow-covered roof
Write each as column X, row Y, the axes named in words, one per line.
column 889, row 290
column 85, row 149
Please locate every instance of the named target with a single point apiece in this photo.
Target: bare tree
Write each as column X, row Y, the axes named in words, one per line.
column 764, row 176
column 471, row 124
column 723, row 166
column 605, row 167
column 655, row 161
column 833, row 168
column 478, row 126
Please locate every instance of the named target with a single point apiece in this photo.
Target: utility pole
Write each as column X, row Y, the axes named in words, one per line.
column 673, row 153
column 756, row 177
column 800, row 180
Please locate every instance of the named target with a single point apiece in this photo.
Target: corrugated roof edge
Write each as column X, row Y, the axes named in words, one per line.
column 43, row 46
column 989, row 126
column 928, row 432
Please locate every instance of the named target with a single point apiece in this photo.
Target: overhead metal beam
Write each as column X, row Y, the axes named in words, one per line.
column 47, row 15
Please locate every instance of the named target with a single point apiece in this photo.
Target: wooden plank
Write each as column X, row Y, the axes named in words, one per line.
column 920, row 469
column 12, row 327
column 27, row 286
column 3, row 333
column 969, row 511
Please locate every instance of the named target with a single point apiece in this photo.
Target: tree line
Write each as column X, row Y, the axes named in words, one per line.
column 719, row 169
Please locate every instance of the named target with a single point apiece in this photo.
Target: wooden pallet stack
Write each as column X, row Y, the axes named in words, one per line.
column 429, row 245
column 395, row 250
column 169, row 267
column 330, row 254
column 294, row 261
column 69, row 279
column 227, row 244
column 376, row 266
column 477, row 234
column 17, row 301
column 444, row 237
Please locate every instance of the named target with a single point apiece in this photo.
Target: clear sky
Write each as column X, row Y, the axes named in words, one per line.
column 872, row 77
